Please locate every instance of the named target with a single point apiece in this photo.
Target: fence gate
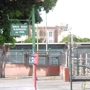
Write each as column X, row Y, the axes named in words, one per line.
column 80, row 64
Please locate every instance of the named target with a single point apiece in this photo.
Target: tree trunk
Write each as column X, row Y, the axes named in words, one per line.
column 3, row 69
column 2, row 60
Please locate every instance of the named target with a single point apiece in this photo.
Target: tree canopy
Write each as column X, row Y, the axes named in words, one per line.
column 29, row 40
column 20, row 9
column 75, row 39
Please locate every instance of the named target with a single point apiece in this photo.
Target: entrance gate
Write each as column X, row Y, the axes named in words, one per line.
column 80, row 63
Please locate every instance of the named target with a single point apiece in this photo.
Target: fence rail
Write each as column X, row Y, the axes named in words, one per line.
column 81, row 64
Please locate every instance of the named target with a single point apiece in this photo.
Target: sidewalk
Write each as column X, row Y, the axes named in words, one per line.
column 39, row 78
column 43, row 83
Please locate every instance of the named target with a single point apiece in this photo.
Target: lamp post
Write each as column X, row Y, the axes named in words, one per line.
column 33, row 43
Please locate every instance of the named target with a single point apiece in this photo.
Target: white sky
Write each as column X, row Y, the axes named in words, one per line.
column 76, row 13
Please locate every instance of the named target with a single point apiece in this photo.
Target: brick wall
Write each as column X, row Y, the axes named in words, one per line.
column 27, row 70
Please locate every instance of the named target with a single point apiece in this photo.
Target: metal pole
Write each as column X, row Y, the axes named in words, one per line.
column 33, row 45
column 77, row 63
column 70, row 61
column 37, row 38
column 46, row 34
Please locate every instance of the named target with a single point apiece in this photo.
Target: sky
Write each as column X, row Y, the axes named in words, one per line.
column 75, row 13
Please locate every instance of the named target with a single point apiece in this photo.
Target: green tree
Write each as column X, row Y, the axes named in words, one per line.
column 85, row 40
column 29, row 40
column 75, row 39
column 65, row 39
column 19, row 9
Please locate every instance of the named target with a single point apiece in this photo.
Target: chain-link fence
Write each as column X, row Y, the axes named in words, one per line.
column 53, row 57
column 63, row 58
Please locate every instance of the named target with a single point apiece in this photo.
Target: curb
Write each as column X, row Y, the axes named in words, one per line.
column 50, row 78
column 26, row 77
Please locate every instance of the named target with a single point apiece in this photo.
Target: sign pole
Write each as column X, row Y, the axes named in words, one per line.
column 33, row 45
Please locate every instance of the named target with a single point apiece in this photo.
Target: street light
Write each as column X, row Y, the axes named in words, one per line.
column 33, row 42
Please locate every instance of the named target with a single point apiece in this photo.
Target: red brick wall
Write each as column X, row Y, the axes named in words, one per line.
column 64, row 73
column 41, row 71
column 53, row 70
column 27, row 70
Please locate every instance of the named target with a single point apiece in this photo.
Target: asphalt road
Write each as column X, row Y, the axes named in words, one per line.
column 42, row 84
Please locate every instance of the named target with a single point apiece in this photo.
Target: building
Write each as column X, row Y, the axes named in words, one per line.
column 51, row 34
column 19, row 60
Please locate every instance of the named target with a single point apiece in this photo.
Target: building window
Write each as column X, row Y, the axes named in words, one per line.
column 50, row 34
column 50, row 41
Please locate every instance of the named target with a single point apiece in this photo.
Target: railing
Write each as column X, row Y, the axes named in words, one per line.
column 80, row 65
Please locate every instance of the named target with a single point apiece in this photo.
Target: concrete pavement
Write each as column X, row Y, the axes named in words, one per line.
column 44, row 83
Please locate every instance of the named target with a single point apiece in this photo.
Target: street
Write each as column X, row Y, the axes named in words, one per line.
column 42, row 84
